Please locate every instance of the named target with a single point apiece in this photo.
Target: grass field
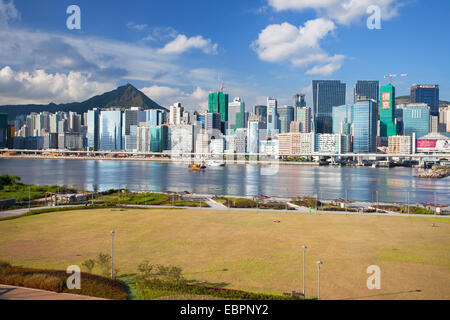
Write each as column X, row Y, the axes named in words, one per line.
column 246, row 250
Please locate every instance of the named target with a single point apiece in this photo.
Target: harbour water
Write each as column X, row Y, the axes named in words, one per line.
column 356, row 183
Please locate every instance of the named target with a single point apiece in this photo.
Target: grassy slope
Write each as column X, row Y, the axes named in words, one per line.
column 247, row 250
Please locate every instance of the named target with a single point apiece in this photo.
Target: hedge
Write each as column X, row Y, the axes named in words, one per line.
column 184, row 288
column 54, row 280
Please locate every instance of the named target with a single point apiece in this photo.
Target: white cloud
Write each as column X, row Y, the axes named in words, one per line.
column 42, row 87
column 342, row 11
column 168, row 95
column 298, row 45
column 7, row 12
column 182, row 43
column 136, row 26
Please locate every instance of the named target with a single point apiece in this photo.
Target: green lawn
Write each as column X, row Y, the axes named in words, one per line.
column 246, row 250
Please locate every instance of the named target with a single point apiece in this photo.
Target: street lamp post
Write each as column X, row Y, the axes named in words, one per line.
column 112, row 254
column 29, row 198
column 304, row 258
column 318, row 283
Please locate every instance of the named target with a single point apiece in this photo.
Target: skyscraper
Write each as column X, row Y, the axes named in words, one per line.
column 285, row 117
column 326, row 95
column 176, row 113
column 366, row 89
column 260, row 110
column 93, row 132
column 236, row 114
column 298, row 100
column 111, row 130
column 302, row 115
column 342, row 119
column 365, row 120
column 416, row 119
column 387, row 111
column 272, row 116
column 428, row 94
column 218, row 103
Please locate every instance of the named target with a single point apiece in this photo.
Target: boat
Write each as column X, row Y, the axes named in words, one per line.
column 215, row 163
column 197, row 166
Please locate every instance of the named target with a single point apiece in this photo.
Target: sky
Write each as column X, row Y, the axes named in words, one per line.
column 179, row 51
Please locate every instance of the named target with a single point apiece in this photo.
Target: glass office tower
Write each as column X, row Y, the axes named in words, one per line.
column 93, row 130
column 111, row 130
column 342, row 119
column 416, row 118
column 272, row 116
column 260, row 110
column 236, row 114
column 366, row 89
column 285, row 116
column 428, row 94
column 326, row 95
column 365, row 120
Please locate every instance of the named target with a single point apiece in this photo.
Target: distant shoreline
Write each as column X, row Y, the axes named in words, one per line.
column 153, row 160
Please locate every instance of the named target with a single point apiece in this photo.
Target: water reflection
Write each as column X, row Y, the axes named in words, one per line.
column 364, row 184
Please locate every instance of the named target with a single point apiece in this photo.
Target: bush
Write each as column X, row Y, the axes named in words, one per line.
column 91, row 285
column 182, row 288
column 44, row 282
column 4, row 264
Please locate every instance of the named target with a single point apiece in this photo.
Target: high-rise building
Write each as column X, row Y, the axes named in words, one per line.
column 272, row 116
column 388, row 126
column 364, row 123
column 342, row 119
column 236, row 114
column 3, row 130
column 364, row 89
column 212, row 121
column 326, row 95
column 285, row 117
column 254, row 127
column 260, row 110
column 93, row 132
column 415, row 118
column 241, row 140
column 111, row 130
column 218, row 103
column 428, row 94
column 298, row 101
column 175, row 113
column 302, row 115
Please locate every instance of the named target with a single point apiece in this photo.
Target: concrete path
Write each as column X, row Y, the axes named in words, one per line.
column 18, row 212
column 19, row 293
column 214, row 204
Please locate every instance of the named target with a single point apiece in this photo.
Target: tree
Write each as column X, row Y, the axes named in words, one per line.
column 145, row 269
column 89, row 264
column 104, row 261
column 7, row 180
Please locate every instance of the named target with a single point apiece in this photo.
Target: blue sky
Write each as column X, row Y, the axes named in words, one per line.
column 175, row 50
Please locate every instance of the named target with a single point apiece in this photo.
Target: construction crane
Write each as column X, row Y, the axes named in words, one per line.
column 390, row 76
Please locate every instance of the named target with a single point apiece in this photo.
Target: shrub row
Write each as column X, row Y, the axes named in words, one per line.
column 52, row 280
column 183, row 288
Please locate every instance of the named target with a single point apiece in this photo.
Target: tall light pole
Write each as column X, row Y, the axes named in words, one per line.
column 304, row 257
column 318, row 283
column 112, row 254
column 29, row 198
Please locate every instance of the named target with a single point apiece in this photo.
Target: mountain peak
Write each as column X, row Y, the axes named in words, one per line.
column 125, row 96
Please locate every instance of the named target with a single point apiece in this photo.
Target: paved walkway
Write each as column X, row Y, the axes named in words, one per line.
column 19, row 293
column 214, row 204
column 18, row 212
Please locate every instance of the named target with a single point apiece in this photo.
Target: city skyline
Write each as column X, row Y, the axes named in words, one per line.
column 171, row 60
